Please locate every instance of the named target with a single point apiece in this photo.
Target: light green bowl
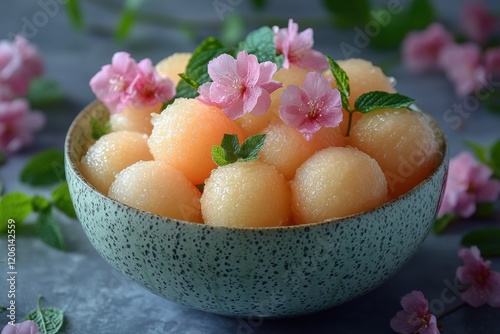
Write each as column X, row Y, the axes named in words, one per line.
column 265, row 272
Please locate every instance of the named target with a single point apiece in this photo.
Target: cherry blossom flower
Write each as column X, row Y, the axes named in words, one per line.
column 477, row 23
column 297, row 47
column 463, row 66
column 19, row 64
column 469, row 182
column 26, row 327
column 492, row 61
column 483, row 283
column 17, row 125
column 124, row 83
column 415, row 316
column 240, row 85
column 314, row 105
column 421, row 49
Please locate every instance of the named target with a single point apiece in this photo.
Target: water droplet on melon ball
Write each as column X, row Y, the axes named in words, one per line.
column 134, row 119
column 112, row 153
column 185, row 132
column 336, row 182
column 158, row 188
column 171, row 66
column 402, row 142
column 246, row 194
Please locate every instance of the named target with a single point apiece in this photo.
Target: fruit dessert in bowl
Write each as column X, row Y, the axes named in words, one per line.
column 266, row 183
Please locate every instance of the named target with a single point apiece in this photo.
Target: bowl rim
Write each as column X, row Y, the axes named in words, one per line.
column 96, row 103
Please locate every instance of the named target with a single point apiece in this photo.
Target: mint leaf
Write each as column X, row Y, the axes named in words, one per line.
column 440, row 224
column 39, row 203
column 219, row 156
column 193, row 84
column 260, row 42
column 48, row 230
column 16, row 206
column 44, row 169
column 127, row 18
column 48, row 319
column 375, row 100
column 233, row 28
column 259, row 4
column 487, row 240
column 74, row 13
column 251, row 147
column 495, row 159
column 349, row 13
column 231, row 146
column 62, row 200
column 99, row 129
column 479, row 151
column 43, row 92
column 342, row 82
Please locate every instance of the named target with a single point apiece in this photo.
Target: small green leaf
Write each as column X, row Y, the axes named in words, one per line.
column 260, row 42
column 48, row 230
column 495, row 159
column 487, row 240
column 74, row 13
column 16, row 206
column 441, row 223
column 342, row 81
column 2, row 308
column 233, row 28
column 125, row 24
column 44, row 169
column 48, row 319
column 2, row 187
column 349, row 13
column 231, row 146
column 484, row 210
column 479, row 151
column 39, row 203
column 219, row 156
column 43, row 92
column 62, row 200
column 251, row 147
column 259, row 4
column 193, row 84
column 99, row 129
column 376, row 100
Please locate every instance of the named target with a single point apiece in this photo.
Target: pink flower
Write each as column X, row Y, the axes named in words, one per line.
column 484, row 283
column 415, row 316
column 469, row 182
column 463, row 66
column 297, row 48
column 477, row 23
column 492, row 61
column 239, row 85
column 314, row 105
column 421, row 49
column 26, row 327
column 19, row 64
column 124, row 83
column 17, row 125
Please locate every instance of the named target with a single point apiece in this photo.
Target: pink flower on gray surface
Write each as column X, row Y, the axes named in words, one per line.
column 477, row 23
column 19, row 64
column 463, row 66
column 483, row 283
column 492, row 61
column 469, row 182
column 125, row 83
column 17, row 124
column 26, row 327
column 311, row 107
column 297, row 47
column 421, row 49
column 415, row 318
column 240, row 85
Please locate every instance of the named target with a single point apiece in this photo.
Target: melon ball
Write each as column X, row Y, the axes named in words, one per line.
column 286, row 148
column 173, row 65
column 184, row 134
column 402, row 142
column 112, row 153
column 158, row 188
column 134, row 119
column 246, row 194
column 336, row 182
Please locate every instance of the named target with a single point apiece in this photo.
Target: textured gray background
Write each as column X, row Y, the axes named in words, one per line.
column 96, row 299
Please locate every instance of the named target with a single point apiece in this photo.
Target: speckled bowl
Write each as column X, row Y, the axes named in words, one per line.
column 265, row 272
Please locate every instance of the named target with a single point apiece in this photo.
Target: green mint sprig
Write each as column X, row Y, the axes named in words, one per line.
column 48, row 319
column 230, row 150
column 366, row 102
column 99, row 129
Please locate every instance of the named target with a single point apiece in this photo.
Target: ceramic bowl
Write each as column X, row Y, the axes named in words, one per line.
column 263, row 272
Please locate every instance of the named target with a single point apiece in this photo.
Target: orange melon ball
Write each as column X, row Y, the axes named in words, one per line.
column 158, row 188
column 246, row 194
column 402, row 142
column 336, row 182
column 173, row 65
column 185, row 132
column 286, row 148
column 134, row 119
column 254, row 124
column 112, row 153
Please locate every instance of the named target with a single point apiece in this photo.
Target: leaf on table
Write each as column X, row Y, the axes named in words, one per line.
column 440, row 224
column 487, row 240
column 16, row 206
column 39, row 203
column 49, row 231
column 259, row 4
column 349, row 13
column 74, row 13
column 48, row 319
column 62, row 200
column 44, row 169
column 479, row 151
column 43, row 92
column 127, row 18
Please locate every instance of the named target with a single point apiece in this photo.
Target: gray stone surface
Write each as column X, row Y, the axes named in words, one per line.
column 96, row 299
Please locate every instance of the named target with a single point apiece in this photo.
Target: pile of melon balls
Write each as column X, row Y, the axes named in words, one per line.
column 158, row 160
